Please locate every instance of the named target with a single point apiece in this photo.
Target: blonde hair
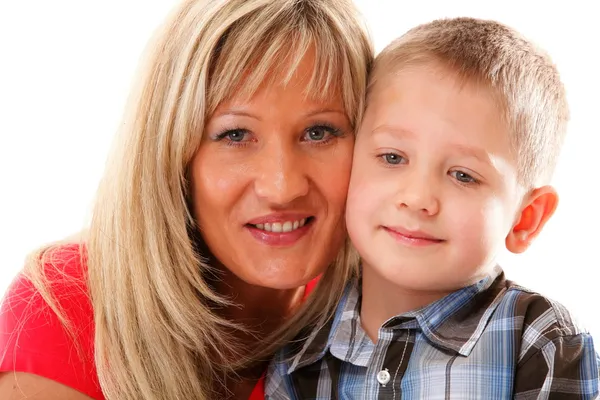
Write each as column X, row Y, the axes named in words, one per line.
column 157, row 335
column 522, row 78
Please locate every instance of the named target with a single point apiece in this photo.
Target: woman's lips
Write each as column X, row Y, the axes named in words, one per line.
column 280, row 230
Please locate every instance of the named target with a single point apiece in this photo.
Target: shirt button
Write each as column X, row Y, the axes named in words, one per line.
column 383, row 376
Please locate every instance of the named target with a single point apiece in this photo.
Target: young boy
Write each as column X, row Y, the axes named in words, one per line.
column 464, row 123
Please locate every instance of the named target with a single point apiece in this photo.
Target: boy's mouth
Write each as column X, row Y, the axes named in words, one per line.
column 413, row 237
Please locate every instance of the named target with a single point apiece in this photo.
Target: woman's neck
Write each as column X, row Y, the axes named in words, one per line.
column 262, row 310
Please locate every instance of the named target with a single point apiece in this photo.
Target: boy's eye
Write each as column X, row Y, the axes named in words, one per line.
column 463, row 177
column 392, row 158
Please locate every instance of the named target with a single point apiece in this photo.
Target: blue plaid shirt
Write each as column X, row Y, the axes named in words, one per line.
column 491, row 340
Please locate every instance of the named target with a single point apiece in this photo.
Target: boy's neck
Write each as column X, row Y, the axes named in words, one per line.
column 382, row 300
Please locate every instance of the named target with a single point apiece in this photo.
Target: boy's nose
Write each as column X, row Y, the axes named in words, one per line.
column 418, row 195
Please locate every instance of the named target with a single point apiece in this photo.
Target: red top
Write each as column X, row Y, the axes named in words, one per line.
column 32, row 339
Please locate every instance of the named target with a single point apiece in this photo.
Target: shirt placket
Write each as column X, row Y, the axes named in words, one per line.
column 388, row 364
column 378, row 375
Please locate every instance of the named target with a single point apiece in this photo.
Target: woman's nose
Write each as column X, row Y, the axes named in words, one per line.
column 281, row 176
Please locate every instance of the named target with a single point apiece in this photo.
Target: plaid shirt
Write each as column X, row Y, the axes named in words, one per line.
column 492, row 340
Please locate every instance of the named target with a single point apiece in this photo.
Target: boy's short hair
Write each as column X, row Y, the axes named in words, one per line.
column 522, row 77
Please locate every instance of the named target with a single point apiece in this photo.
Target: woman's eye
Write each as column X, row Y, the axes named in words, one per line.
column 392, row 158
column 236, row 135
column 463, row 177
column 320, row 133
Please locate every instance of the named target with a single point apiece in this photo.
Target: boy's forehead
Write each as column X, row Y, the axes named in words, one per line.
column 433, row 88
column 436, row 102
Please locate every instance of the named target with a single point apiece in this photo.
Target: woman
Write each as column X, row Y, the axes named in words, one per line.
column 223, row 199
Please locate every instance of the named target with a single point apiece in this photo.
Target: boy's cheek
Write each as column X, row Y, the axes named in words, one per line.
column 482, row 225
column 367, row 206
column 362, row 199
column 358, row 198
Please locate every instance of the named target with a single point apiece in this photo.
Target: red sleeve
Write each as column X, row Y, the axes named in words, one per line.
column 32, row 339
column 310, row 286
column 258, row 393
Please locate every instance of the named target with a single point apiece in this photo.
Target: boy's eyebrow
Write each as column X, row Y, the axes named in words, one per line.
column 394, row 130
column 467, row 151
column 477, row 153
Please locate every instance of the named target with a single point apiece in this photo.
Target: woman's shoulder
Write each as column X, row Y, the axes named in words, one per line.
column 33, row 339
column 63, row 269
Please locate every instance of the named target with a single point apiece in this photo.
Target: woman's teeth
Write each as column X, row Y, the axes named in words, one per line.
column 279, row 227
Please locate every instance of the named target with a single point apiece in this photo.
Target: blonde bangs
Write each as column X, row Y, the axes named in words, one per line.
column 252, row 55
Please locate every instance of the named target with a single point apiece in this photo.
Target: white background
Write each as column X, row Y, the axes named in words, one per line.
column 65, row 71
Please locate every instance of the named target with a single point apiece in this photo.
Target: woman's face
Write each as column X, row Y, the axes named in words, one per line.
column 269, row 183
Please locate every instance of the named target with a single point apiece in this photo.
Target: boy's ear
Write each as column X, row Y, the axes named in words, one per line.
column 537, row 209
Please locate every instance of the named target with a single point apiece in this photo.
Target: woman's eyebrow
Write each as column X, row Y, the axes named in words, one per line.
column 325, row 110
column 238, row 113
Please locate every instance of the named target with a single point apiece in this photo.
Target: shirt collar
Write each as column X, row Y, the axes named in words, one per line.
column 457, row 321
column 319, row 341
column 453, row 323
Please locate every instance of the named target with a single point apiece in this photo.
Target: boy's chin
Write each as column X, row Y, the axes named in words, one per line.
column 417, row 277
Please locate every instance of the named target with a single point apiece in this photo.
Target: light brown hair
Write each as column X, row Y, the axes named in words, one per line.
column 522, row 78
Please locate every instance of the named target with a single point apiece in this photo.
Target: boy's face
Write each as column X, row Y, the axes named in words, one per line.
column 434, row 190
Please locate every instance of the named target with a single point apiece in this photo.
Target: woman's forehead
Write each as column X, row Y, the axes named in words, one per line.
column 299, row 71
column 276, row 96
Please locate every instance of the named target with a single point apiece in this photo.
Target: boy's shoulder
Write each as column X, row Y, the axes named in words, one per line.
column 539, row 309
column 539, row 320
